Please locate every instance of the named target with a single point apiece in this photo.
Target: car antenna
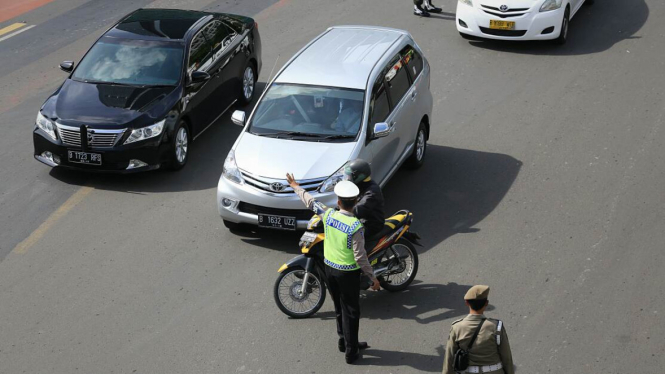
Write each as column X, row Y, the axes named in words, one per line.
column 270, row 75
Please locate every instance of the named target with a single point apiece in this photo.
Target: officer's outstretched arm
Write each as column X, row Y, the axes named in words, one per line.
column 316, row 206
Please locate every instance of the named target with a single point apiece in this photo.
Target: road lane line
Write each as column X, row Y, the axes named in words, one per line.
column 11, row 28
column 17, row 32
column 76, row 198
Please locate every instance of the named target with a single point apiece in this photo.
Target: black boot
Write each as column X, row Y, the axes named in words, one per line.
column 428, row 6
column 341, row 345
column 353, row 357
column 420, row 11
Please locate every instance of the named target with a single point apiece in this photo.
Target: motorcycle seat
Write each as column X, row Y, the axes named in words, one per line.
column 391, row 224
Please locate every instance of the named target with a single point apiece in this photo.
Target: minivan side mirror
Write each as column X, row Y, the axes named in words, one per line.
column 199, row 77
column 67, row 66
column 381, row 130
column 238, row 117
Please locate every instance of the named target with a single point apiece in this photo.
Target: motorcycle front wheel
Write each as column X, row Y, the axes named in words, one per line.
column 403, row 261
column 289, row 298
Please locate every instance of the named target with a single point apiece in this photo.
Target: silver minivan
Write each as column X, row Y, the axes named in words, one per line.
column 352, row 92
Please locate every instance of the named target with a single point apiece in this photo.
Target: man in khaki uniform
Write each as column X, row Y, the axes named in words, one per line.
column 490, row 353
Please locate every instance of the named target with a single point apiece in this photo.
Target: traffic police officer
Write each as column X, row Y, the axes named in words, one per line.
column 490, row 353
column 345, row 256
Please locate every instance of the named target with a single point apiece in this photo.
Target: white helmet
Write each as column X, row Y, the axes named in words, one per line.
column 346, row 190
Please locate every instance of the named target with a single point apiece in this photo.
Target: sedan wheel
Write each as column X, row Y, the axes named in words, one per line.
column 563, row 35
column 248, row 83
column 180, row 148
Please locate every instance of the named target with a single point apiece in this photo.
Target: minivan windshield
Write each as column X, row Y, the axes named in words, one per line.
column 308, row 112
column 131, row 62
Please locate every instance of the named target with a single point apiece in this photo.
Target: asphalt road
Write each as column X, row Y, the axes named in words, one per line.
column 544, row 179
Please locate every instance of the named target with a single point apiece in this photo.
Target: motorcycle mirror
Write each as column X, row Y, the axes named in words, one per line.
column 238, row 118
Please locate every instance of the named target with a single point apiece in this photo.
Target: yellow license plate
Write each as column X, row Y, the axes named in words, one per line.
column 502, row 25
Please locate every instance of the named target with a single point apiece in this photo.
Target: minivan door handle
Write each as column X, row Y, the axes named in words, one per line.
column 414, row 93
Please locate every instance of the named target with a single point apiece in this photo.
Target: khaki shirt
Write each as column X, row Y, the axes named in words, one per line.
column 359, row 253
column 484, row 350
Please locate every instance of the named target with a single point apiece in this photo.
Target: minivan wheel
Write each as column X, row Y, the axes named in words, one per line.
column 417, row 158
column 180, row 147
column 248, row 84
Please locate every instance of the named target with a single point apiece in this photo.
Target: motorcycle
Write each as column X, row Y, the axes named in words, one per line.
column 300, row 288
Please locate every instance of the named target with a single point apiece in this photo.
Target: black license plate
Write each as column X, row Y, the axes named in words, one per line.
column 84, row 157
column 277, row 222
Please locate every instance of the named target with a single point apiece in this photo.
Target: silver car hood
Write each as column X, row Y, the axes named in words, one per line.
column 273, row 158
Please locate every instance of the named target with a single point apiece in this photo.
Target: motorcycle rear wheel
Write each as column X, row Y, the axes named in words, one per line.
column 288, row 299
column 404, row 248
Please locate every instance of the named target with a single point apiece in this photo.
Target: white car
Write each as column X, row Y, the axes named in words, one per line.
column 517, row 19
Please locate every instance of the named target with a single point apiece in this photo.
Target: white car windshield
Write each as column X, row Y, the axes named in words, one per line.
column 131, row 62
column 298, row 111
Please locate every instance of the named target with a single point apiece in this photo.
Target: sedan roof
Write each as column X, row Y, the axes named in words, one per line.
column 161, row 24
column 343, row 57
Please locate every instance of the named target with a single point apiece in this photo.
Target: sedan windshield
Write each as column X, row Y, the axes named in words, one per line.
column 132, row 62
column 309, row 112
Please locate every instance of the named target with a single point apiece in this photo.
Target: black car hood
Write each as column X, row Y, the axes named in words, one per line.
column 109, row 106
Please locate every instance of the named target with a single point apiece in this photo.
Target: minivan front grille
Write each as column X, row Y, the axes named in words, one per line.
column 96, row 138
column 280, row 186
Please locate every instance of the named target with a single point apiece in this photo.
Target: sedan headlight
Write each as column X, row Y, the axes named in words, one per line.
column 230, row 170
column 551, row 5
column 146, row 132
column 329, row 184
column 45, row 124
column 467, row 2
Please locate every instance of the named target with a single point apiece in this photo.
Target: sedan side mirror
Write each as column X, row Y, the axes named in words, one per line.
column 381, row 130
column 199, row 77
column 67, row 66
column 238, row 117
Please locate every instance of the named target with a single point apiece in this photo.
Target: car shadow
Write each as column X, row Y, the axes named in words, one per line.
column 594, row 29
column 207, row 155
column 452, row 192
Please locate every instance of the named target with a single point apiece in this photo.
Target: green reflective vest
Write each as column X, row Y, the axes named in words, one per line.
column 338, row 246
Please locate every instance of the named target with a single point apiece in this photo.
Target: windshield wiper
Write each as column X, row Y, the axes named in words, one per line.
column 291, row 133
column 339, row 136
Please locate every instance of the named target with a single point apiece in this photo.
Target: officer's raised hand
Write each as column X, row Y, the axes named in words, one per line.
column 291, row 180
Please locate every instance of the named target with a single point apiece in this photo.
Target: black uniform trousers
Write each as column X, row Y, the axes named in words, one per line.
column 344, row 287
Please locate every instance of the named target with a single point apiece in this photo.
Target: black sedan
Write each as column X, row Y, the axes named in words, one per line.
column 146, row 89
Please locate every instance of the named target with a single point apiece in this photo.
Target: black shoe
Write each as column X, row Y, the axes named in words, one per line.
column 342, row 346
column 421, row 12
column 351, row 358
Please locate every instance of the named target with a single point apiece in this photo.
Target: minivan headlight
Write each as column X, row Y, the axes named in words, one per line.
column 328, row 185
column 230, row 170
column 551, row 5
column 45, row 124
column 147, row 132
column 467, row 2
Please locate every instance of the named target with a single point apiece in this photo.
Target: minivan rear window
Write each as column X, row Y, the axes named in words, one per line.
column 309, row 112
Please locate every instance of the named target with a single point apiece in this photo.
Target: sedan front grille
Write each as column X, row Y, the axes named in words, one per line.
column 511, row 33
column 280, row 186
column 96, row 138
column 508, row 13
